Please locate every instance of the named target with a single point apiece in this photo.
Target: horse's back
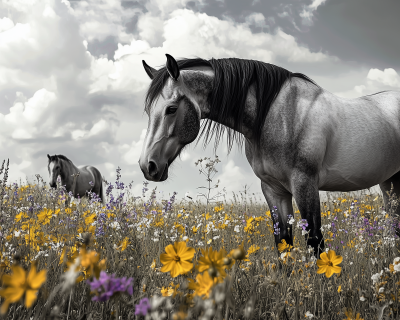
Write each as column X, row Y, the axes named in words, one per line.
column 363, row 149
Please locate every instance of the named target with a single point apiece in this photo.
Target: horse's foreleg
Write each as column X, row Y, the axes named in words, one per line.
column 281, row 199
column 306, row 195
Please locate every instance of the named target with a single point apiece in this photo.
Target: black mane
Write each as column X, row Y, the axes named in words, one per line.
column 232, row 80
column 59, row 156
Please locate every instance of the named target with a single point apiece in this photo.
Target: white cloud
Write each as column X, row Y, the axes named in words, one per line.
column 308, row 11
column 27, row 120
column 131, row 153
column 232, row 177
column 388, row 77
column 375, row 81
column 5, row 24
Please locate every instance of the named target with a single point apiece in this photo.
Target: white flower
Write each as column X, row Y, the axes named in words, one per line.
column 376, row 277
column 236, row 229
column 115, row 225
column 70, row 275
column 362, row 298
column 291, row 221
column 309, row 315
column 184, row 238
column 17, row 233
column 381, row 289
column 216, row 237
column 200, row 243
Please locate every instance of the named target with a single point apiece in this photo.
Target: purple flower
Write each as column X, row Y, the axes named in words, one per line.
column 108, row 285
column 143, row 307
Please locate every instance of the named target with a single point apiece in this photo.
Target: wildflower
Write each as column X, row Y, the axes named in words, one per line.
column 238, row 254
column 107, row 285
column 203, row 285
column 328, row 263
column 237, row 228
column 70, row 277
column 376, row 277
column 180, row 315
column 309, row 315
column 143, row 307
column 123, row 244
column 153, row 265
column 395, row 267
column 351, row 316
column 90, row 262
column 212, row 259
column 254, row 248
column 284, row 246
column 19, row 284
column 45, row 216
column 170, row 291
column 177, row 259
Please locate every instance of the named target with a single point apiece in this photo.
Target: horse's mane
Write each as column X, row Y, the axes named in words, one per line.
column 58, row 156
column 232, row 80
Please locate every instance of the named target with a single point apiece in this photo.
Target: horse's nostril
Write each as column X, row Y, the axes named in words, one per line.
column 152, row 169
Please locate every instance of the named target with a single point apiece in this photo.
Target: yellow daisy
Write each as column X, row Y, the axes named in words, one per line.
column 329, row 263
column 177, row 259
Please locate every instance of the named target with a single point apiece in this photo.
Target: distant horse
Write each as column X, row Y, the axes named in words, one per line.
column 77, row 180
column 298, row 137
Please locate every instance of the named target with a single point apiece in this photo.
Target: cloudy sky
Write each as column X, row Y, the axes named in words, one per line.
column 72, row 83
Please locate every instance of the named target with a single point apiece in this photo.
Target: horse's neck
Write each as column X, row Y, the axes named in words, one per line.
column 70, row 170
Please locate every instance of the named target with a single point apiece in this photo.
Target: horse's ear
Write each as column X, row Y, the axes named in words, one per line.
column 149, row 70
column 172, row 67
column 48, row 156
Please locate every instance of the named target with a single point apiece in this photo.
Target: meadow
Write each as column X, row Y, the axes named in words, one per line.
column 141, row 257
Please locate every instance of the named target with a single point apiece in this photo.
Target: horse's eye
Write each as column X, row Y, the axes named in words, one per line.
column 171, row 110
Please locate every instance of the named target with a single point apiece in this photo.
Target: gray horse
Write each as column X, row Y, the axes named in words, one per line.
column 298, row 137
column 77, row 180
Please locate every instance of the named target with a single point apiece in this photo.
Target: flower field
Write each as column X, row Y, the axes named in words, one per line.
column 141, row 257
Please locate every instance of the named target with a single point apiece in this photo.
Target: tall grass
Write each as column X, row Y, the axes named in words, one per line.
column 130, row 232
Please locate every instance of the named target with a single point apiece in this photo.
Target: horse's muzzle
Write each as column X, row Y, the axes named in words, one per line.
column 154, row 172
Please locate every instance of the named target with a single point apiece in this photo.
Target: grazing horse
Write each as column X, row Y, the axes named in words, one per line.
column 299, row 138
column 76, row 180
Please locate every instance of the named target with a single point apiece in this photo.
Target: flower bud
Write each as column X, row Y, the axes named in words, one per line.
column 212, row 272
column 238, row 254
column 226, row 261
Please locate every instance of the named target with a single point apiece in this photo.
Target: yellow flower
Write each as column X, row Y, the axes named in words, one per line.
column 45, row 216
column 339, row 289
column 203, row 285
column 90, row 219
column 90, row 262
column 194, row 229
column 19, row 283
column 252, row 249
column 212, row 260
column 351, row 315
column 180, row 315
column 170, row 291
column 153, row 265
column 177, row 259
column 284, row 246
column 328, row 263
column 124, row 244
column 19, row 216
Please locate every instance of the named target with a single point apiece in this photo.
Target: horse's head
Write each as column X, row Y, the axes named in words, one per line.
column 174, row 122
column 55, row 169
